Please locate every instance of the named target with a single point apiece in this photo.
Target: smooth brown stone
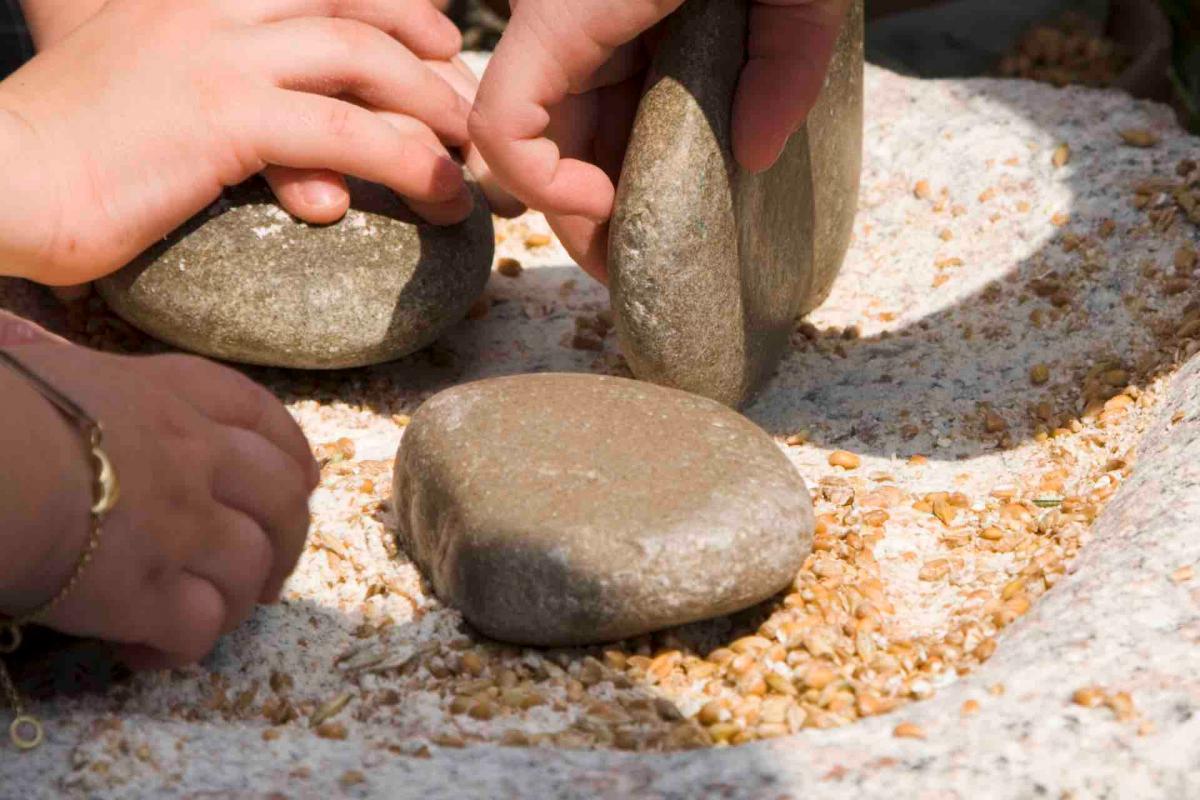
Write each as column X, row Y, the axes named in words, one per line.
column 244, row 281
column 710, row 265
column 561, row 509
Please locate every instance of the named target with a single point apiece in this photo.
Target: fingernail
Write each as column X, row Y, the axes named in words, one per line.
column 319, row 194
column 465, row 202
column 451, row 182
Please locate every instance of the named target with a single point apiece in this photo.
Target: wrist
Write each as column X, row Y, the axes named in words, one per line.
column 44, row 494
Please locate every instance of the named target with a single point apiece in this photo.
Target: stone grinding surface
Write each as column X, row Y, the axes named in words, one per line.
column 711, row 264
column 569, row 509
column 980, row 254
column 245, row 281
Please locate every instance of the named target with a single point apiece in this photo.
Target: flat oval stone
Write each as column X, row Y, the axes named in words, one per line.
column 709, row 264
column 245, row 281
column 564, row 509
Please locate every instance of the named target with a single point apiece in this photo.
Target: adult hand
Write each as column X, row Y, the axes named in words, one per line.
column 554, row 110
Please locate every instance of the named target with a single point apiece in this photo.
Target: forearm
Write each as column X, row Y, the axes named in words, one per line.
column 44, row 490
column 52, row 20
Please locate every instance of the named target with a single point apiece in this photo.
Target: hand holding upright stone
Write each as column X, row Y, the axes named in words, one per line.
column 709, row 263
column 555, row 108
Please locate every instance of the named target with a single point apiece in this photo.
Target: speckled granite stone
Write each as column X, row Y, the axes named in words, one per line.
column 710, row 264
column 563, row 509
column 244, row 281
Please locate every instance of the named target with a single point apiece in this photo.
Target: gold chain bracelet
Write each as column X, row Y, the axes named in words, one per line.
column 26, row 730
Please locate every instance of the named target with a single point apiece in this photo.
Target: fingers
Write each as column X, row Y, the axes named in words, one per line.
column 459, row 75
column 415, row 23
column 618, row 107
column 547, row 53
column 626, row 61
column 502, row 203
column 789, row 47
column 317, row 196
column 418, row 132
column 187, row 597
column 237, row 559
column 586, row 241
column 257, row 479
column 230, row 398
column 332, row 57
column 321, row 197
column 325, row 133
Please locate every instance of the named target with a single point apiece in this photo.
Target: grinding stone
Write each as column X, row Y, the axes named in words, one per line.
column 559, row 509
column 244, row 281
column 710, row 265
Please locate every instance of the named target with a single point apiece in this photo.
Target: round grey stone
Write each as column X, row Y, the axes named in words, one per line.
column 563, row 509
column 244, row 281
column 710, row 265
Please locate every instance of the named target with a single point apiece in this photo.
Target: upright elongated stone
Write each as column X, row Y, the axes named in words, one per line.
column 710, row 265
column 560, row 509
column 244, row 281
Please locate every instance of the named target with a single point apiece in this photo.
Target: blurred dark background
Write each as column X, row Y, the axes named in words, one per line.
column 1149, row 48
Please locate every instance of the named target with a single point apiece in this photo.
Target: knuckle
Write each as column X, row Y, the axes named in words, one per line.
column 176, row 424
column 247, row 403
column 350, row 37
column 338, row 121
column 332, row 8
column 479, row 125
column 181, row 363
column 186, row 489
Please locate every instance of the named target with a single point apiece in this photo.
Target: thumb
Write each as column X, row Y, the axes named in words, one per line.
column 790, row 43
column 549, row 51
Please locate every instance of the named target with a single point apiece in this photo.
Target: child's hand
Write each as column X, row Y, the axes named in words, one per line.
column 555, row 108
column 136, row 120
column 212, row 516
